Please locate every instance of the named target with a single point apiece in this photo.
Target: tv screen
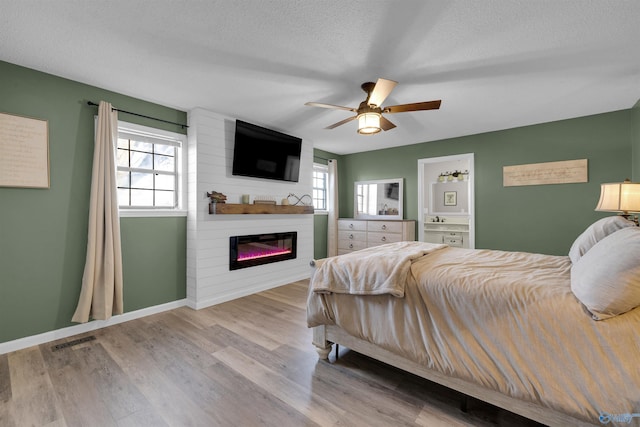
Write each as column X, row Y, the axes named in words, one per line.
column 264, row 153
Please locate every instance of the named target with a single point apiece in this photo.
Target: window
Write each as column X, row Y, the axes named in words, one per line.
column 150, row 165
column 320, row 183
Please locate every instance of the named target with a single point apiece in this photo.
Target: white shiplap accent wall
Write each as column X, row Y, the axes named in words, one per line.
column 210, row 154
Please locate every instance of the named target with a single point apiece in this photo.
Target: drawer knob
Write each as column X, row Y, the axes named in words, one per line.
column 384, row 227
column 351, row 236
column 350, row 245
column 351, row 226
column 384, row 239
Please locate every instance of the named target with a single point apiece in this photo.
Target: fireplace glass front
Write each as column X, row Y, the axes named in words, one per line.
column 258, row 249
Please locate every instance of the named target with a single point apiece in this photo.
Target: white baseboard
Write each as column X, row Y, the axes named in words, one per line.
column 21, row 343
column 219, row 299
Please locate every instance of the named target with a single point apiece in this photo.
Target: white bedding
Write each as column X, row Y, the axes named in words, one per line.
column 505, row 320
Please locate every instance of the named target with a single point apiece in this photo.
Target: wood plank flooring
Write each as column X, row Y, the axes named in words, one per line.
column 247, row 362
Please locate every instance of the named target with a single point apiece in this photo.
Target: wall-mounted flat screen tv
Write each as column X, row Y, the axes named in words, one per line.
column 264, row 153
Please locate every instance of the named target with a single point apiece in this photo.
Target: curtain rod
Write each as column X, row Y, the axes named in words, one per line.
column 140, row 115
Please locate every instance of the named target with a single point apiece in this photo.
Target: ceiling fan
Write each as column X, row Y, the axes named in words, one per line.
column 369, row 113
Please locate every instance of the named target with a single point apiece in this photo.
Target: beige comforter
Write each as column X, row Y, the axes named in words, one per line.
column 372, row 271
column 505, row 320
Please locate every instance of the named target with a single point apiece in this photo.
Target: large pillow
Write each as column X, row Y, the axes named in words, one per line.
column 596, row 232
column 607, row 278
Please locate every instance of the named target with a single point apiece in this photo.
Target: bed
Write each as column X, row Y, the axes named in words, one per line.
column 553, row 338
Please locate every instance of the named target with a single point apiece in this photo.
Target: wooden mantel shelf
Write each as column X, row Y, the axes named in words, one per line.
column 234, row 209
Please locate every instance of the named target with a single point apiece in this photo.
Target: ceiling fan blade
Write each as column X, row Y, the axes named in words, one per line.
column 380, row 91
column 341, row 122
column 336, row 107
column 417, row 106
column 385, row 124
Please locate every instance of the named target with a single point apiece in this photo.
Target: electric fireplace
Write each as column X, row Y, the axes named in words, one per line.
column 258, row 249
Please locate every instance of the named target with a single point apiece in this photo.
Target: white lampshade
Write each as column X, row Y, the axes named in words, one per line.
column 619, row 197
column 369, row 123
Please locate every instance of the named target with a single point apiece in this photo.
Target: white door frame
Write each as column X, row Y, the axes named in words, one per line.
column 422, row 204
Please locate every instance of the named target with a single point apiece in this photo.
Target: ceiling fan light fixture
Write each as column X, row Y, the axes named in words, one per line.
column 369, row 123
column 369, row 112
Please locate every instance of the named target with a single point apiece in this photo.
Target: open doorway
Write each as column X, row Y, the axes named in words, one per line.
column 446, row 200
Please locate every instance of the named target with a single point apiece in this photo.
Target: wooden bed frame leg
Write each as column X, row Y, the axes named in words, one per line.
column 323, row 353
column 323, row 347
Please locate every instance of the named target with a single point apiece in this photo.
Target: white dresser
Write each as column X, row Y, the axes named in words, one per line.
column 354, row 234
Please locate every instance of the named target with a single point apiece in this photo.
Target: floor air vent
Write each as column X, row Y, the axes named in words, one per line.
column 72, row 343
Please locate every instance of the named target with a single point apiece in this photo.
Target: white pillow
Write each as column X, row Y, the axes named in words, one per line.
column 607, row 278
column 596, row 232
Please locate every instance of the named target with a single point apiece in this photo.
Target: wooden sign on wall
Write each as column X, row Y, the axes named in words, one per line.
column 24, row 152
column 563, row 172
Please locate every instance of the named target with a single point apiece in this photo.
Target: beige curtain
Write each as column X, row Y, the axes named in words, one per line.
column 101, row 293
column 332, row 201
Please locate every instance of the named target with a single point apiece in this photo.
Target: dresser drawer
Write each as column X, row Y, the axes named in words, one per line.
column 349, row 224
column 360, row 236
column 351, row 245
column 453, row 241
column 384, row 226
column 376, row 239
column 453, row 235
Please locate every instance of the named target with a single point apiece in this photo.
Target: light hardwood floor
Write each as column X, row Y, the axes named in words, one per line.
column 246, row 362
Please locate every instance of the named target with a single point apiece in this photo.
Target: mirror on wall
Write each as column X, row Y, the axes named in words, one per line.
column 449, row 198
column 379, row 199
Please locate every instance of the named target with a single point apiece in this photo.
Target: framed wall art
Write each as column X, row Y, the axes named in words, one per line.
column 561, row 172
column 24, row 152
column 450, row 198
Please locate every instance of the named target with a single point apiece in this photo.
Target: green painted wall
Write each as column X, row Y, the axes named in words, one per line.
column 154, row 254
column 43, row 231
column 544, row 219
column 320, row 221
column 320, row 229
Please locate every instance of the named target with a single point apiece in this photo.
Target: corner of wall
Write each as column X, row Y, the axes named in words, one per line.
column 635, row 142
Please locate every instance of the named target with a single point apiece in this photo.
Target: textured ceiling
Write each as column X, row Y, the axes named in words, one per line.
column 495, row 64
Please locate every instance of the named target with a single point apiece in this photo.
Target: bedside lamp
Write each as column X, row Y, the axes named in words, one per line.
column 621, row 197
